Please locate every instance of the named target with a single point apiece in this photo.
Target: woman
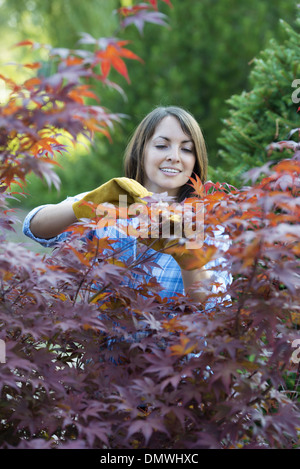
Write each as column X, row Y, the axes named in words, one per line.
column 165, row 150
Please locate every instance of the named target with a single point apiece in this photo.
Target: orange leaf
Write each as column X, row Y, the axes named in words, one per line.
column 126, row 11
column 130, row 55
column 43, row 144
column 10, row 108
column 77, row 93
column 73, row 61
column 31, row 83
column 120, row 66
column 60, row 296
column 287, row 165
column 24, row 43
column 111, row 57
column 184, row 348
column 80, row 256
column 173, row 325
column 94, row 126
column 197, row 185
column 10, row 83
column 33, row 65
column 154, row 3
column 105, row 68
column 75, row 96
column 122, row 43
column 250, row 253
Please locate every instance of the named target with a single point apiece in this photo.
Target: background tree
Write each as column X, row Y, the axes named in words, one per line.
column 265, row 113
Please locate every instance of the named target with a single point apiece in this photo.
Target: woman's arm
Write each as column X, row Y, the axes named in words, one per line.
column 195, row 283
column 52, row 220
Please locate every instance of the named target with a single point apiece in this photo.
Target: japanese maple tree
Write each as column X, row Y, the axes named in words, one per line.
column 92, row 363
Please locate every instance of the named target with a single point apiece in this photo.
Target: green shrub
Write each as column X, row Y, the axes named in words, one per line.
column 264, row 114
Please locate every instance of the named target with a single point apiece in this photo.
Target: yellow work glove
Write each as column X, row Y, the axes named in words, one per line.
column 178, row 247
column 109, row 192
column 189, row 253
column 187, row 258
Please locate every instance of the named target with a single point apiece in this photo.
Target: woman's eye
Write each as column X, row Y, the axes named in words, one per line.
column 189, row 150
column 160, row 146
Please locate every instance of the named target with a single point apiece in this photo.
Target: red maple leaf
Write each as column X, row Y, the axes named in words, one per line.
column 111, row 57
column 197, row 185
column 154, row 3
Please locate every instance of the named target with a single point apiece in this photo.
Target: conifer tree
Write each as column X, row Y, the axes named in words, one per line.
column 266, row 113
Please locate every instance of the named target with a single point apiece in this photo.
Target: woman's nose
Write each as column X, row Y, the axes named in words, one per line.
column 174, row 154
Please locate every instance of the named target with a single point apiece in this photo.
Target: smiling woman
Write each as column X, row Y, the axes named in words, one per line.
column 171, row 138
column 169, row 158
column 164, row 152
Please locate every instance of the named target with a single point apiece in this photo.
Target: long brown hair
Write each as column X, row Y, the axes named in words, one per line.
column 135, row 151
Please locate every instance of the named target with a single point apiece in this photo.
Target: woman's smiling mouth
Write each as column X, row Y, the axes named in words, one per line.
column 170, row 171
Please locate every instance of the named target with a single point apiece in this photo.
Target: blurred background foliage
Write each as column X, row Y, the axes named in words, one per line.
column 199, row 62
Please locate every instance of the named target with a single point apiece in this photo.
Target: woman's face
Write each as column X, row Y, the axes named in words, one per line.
column 169, row 158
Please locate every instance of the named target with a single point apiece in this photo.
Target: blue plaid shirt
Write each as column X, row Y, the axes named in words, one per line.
column 167, row 272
